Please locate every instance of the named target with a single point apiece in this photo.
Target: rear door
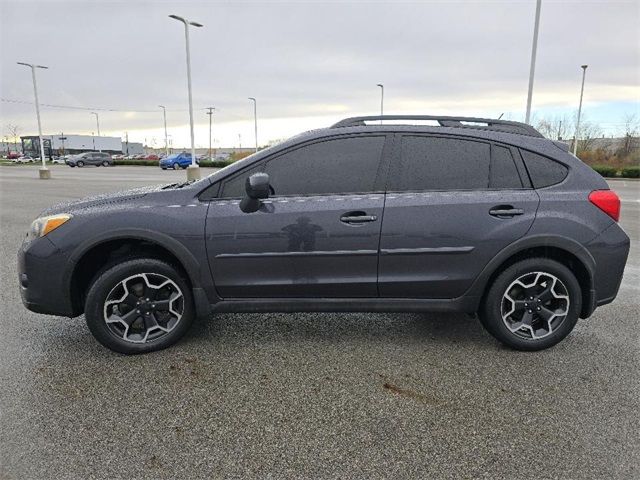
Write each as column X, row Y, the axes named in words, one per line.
column 452, row 203
column 318, row 233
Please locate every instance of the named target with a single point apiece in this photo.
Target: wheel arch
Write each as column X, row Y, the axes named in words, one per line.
column 564, row 250
column 91, row 256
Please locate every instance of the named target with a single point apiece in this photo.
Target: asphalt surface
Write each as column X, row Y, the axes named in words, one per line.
column 310, row 395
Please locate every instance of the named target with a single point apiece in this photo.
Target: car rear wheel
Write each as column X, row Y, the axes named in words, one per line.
column 80, row 163
column 139, row 306
column 176, row 166
column 106, row 163
column 532, row 305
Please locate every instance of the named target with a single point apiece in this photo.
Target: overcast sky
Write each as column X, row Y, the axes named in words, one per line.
column 309, row 63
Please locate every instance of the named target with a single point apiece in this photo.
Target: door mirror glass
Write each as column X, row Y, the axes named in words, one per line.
column 256, row 188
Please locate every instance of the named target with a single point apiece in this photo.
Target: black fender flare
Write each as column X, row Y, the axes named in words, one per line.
column 184, row 256
column 570, row 245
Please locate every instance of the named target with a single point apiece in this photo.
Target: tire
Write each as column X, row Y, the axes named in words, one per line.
column 80, row 164
column 176, row 166
column 128, row 331
column 512, row 316
column 106, row 163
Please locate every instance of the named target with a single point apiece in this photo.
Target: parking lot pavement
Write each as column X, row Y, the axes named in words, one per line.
column 310, row 395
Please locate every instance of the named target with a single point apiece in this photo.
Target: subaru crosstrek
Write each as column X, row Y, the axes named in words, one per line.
column 467, row 215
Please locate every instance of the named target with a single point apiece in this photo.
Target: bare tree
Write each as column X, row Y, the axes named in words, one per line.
column 631, row 140
column 556, row 128
column 14, row 131
column 589, row 133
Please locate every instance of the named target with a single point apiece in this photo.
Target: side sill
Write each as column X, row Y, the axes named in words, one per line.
column 389, row 305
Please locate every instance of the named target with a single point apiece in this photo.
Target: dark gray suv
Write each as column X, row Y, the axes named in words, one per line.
column 468, row 215
column 90, row 158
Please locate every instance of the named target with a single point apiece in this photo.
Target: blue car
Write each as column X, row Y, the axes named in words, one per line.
column 176, row 161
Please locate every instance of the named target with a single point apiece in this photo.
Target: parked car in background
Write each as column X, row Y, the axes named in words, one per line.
column 24, row 159
column 152, row 157
column 59, row 160
column 176, row 161
column 117, row 157
column 90, row 158
column 13, row 155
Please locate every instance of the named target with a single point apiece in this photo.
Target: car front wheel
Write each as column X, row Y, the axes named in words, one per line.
column 80, row 164
column 176, row 166
column 139, row 306
column 532, row 305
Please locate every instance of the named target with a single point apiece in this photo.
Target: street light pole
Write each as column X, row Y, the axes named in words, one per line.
column 575, row 140
column 44, row 172
column 381, row 99
column 532, row 69
column 166, row 142
column 210, row 113
column 193, row 172
column 98, row 128
column 62, row 138
column 255, row 120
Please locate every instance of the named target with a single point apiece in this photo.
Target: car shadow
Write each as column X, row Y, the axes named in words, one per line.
column 265, row 328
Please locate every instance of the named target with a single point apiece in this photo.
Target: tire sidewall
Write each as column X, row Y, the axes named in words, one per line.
column 491, row 315
column 106, row 280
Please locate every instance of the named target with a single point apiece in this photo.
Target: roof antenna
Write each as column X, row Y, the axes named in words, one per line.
column 500, row 115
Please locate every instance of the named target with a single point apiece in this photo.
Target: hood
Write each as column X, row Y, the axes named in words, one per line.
column 101, row 200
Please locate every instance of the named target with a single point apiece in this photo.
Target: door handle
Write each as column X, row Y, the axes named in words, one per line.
column 358, row 217
column 505, row 211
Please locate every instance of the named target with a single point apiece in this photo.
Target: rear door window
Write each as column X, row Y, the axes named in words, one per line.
column 542, row 170
column 441, row 163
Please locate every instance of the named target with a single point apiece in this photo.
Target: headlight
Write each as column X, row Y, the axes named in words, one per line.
column 43, row 225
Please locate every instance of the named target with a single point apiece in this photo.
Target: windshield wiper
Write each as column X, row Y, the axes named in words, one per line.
column 184, row 184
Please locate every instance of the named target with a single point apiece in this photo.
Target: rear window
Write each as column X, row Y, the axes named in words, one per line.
column 438, row 163
column 542, row 170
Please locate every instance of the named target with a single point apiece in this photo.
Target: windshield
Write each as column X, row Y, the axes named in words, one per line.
column 173, row 155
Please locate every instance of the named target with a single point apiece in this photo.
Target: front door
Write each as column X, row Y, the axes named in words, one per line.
column 452, row 205
column 318, row 233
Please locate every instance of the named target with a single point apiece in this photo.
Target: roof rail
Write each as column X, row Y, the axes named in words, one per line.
column 469, row 122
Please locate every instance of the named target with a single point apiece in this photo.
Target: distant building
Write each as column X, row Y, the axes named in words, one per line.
column 67, row 144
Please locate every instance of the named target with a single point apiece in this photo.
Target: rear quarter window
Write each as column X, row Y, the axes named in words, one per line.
column 542, row 170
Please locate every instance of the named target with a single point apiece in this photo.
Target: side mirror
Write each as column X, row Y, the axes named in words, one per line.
column 257, row 188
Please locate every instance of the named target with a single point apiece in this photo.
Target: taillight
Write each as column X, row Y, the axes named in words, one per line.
column 607, row 201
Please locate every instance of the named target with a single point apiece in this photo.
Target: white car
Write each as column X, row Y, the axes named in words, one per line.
column 24, row 159
column 59, row 160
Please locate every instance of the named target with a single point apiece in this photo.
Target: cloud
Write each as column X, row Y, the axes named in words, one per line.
column 308, row 62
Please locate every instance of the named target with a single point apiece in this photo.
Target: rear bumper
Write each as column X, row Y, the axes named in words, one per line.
column 40, row 269
column 610, row 250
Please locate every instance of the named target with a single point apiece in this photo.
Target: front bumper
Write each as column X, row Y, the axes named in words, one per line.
column 40, row 276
